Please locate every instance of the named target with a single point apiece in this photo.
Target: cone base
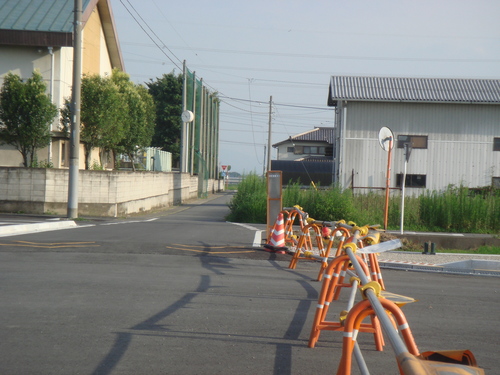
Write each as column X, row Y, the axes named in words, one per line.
column 275, row 249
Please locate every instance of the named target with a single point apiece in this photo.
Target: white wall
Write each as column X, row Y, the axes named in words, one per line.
column 101, row 193
column 460, row 143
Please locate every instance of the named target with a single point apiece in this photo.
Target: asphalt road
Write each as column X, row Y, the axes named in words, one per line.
column 184, row 292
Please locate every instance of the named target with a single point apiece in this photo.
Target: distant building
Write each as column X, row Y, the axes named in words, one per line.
column 452, row 125
column 39, row 35
column 306, row 157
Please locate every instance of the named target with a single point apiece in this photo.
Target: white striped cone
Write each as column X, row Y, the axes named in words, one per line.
column 277, row 239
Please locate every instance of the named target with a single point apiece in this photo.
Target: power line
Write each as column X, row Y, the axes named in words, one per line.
column 326, row 56
column 149, row 36
column 175, row 64
column 280, row 104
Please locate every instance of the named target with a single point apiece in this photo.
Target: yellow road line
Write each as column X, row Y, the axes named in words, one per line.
column 211, row 252
column 53, row 245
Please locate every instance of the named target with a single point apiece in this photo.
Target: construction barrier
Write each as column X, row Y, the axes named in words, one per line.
column 409, row 360
column 282, row 235
column 294, row 214
column 333, row 281
column 356, row 258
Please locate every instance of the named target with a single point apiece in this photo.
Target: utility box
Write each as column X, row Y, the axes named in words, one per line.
column 274, row 200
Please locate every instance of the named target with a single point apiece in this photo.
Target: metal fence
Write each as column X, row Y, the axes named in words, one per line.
column 155, row 159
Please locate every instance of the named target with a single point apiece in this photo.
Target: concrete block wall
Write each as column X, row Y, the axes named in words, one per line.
column 101, row 193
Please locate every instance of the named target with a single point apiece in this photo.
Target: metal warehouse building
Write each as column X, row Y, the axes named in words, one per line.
column 452, row 125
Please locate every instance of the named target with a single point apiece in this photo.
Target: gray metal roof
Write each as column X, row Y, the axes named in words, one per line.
column 320, row 134
column 38, row 15
column 444, row 90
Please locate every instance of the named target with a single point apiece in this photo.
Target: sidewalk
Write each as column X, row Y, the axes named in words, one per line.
column 472, row 264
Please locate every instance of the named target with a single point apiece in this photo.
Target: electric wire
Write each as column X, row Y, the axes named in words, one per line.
column 149, row 36
column 251, row 119
column 251, row 111
column 328, row 56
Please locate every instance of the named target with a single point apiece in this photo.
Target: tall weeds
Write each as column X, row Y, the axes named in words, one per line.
column 327, row 205
column 457, row 209
column 249, row 205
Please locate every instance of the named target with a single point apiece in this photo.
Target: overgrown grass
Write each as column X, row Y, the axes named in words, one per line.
column 249, row 205
column 456, row 209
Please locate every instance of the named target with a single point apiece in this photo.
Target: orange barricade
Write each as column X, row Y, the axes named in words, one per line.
column 330, row 283
column 305, row 245
column 353, row 324
column 294, row 214
column 383, row 308
column 324, row 262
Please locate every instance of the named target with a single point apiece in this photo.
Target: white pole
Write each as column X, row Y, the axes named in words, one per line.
column 51, row 53
column 403, row 183
column 74, row 156
column 269, row 141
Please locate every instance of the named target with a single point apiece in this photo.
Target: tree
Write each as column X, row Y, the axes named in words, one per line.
column 139, row 119
column 167, row 95
column 26, row 113
column 102, row 110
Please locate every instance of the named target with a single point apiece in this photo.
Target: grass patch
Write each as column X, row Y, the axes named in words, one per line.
column 456, row 210
column 483, row 250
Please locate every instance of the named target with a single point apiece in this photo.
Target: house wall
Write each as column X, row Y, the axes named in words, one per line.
column 460, row 143
column 96, row 58
column 23, row 60
column 283, row 154
column 101, row 193
column 57, row 72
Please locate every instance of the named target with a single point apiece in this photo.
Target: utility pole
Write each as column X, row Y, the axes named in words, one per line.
column 74, row 157
column 184, row 142
column 269, row 134
column 264, row 167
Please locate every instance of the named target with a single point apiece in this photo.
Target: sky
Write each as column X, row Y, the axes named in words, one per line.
column 250, row 51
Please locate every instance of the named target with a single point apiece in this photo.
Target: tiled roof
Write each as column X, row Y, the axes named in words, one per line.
column 322, row 134
column 413, row 90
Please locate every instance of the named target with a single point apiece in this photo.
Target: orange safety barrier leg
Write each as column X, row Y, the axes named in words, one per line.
column 296, row 255
column 353, row 323
column 324, row 261
column 330, row 276
column 341, row 283
column 330, row 282
column 379, row 271
column 348, row 339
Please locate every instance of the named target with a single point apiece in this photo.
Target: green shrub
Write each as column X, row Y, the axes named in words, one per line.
column 457, row 209
column 249, row 205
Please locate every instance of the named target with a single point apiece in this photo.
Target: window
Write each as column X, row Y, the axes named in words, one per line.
column 416, row 141
column 495, row 181
column 309, row 150
column 412, row 180
column 496, row 144
column 290, row 149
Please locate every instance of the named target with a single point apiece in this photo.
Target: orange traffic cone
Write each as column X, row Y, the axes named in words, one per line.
column 276, row 243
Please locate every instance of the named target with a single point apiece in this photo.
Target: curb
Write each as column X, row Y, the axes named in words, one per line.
column 427, row 267
column 9, row 230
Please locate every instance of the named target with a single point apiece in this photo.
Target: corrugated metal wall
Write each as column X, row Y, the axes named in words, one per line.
column 460, row 143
